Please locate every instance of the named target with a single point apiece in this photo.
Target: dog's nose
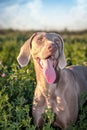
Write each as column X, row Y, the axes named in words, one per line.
column 52, row 46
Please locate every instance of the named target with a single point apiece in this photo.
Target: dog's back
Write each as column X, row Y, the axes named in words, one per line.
column 80, row 75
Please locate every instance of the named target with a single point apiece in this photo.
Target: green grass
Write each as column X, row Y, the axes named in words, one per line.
column 17, row 85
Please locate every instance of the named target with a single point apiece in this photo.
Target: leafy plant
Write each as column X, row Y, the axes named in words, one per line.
column 17, row 85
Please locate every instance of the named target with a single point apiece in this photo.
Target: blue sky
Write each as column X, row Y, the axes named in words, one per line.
column 43, row 14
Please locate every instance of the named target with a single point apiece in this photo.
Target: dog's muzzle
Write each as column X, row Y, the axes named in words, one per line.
column 49, row 63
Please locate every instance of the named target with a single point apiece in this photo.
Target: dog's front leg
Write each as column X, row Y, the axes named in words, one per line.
column 38, row 110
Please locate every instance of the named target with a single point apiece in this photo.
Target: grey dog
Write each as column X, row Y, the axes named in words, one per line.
column 58, row 87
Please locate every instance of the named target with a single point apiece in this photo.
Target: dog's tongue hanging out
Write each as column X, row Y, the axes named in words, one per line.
column 48, row 70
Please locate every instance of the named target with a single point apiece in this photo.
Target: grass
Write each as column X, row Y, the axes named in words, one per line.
column 17, row 85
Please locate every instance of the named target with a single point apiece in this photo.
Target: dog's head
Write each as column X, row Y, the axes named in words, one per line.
column 46, row 49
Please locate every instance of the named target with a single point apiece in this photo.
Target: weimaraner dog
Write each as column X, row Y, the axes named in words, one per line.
column 58, row 88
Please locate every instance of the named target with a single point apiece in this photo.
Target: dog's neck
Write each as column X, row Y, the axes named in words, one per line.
column 39, row 74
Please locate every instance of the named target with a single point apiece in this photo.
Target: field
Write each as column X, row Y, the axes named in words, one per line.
column 17, row 85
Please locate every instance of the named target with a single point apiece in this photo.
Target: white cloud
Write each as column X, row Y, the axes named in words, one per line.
column 78, row 15
column 26, row 16
column 33, row 15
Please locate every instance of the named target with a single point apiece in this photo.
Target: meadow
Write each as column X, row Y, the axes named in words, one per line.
column 17, row 84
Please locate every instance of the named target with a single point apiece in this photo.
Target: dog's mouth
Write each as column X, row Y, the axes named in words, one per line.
column 48, row 65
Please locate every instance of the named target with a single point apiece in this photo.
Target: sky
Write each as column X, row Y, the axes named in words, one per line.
column 43, row 14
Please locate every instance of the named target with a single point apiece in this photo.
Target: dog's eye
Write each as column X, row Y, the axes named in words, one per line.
column 40, row 39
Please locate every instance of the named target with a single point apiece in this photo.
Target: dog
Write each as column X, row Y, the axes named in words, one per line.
column 58, row 87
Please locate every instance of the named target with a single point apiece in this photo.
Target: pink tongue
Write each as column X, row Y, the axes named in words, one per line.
column 48, row 70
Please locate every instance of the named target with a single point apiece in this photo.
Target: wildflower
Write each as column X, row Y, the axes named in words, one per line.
column 3, row 75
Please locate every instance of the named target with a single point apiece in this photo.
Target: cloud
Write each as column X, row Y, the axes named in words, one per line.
column 78, row 15
column 26, row 16
column 34, row 15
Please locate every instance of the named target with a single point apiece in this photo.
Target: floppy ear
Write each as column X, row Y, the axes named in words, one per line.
column 62, row 59
column 24, row 55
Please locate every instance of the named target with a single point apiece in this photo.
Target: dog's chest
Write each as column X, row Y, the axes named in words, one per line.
column 54, row 101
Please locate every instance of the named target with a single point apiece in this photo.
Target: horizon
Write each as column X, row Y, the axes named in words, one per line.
column 43, row 15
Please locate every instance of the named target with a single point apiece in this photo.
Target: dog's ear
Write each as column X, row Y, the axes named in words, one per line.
column 62, row 59
column 24, row 55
